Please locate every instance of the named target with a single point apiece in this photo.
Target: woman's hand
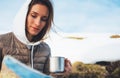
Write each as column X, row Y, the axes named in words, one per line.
column 67, row 70
column 68, row 67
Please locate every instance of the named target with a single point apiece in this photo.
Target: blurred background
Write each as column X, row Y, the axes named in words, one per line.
column 87, row 32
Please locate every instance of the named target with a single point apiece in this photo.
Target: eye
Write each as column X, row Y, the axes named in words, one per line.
column 33, row 15
column 44, row 18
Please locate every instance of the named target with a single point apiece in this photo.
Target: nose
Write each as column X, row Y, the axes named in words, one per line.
column 37, row 22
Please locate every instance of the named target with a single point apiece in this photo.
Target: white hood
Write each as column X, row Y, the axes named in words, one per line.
column 19, row 25
column 19, row 28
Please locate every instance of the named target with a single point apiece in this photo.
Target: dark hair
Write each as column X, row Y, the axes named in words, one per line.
column 49, row 22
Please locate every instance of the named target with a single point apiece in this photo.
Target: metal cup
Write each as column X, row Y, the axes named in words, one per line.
column 57, row 64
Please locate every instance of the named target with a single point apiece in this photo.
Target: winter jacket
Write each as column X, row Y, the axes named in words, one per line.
column 10, row 45
column 15, row 43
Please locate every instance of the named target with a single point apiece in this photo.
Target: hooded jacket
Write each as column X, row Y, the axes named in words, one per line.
column 16, row 44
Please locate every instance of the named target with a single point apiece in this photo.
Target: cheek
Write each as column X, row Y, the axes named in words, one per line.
column 43, row 24
column 29, row 20
column 28, row 23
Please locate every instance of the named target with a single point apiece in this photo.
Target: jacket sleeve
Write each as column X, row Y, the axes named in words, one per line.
column 46, row 66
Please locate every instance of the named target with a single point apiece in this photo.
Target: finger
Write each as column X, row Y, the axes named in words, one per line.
column 67, row 71
column 68, row 62
column 68, row 67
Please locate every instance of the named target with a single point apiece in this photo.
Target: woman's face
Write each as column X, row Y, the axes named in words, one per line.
column 37, row 18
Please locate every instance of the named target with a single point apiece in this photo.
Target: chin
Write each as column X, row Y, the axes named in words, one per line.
column 34, row 34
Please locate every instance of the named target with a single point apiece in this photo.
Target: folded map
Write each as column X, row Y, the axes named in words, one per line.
column 12, row 68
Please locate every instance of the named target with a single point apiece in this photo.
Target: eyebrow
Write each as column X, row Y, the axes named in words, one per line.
column 34, row 12
column 38, row 13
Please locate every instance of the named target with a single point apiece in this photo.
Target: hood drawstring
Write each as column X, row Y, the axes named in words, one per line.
column 32, row 55
column 31, row 48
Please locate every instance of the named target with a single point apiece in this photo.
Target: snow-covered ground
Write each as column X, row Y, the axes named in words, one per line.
column 94, row 47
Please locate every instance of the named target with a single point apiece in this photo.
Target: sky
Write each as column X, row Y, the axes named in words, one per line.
column 72, row 16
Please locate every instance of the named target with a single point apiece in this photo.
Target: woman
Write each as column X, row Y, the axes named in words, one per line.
column 25, row 43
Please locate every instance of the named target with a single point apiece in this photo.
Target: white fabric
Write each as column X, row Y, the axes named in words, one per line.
column 19, row 28
column 19, row 25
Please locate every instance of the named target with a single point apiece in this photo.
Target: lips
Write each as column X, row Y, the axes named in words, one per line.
column 35, row 28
